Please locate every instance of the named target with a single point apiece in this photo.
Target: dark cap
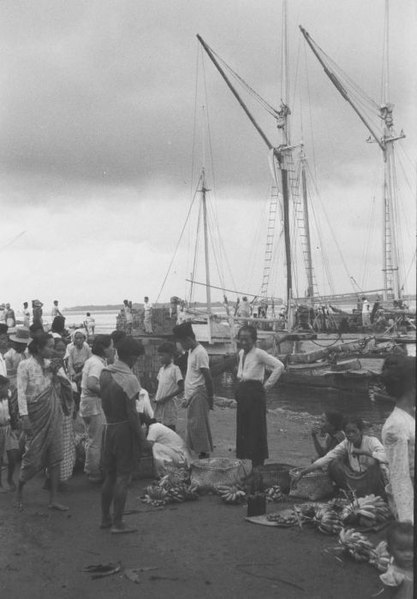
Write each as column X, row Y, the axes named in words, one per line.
column 129, row 347
column 183, row 330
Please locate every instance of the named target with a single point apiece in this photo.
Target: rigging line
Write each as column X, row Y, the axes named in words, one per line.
column 330, row 227
column 268, row 107
column 313, row 145
column 409, row 268
column 342, row 75
column 222, row 249
column 195, row 117
column 367, row 244
column 9, row 243
column 296, row 70
column 176, row 247
column 196, row 249
column 208, row 124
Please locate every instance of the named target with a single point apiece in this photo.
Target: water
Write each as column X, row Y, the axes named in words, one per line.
column 299, row 400
column 314, row 402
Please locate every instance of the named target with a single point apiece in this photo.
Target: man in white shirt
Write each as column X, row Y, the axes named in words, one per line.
column 26, row 315
column 4, row 346
column 55, row 310
column 198, row 392
column 147, row 317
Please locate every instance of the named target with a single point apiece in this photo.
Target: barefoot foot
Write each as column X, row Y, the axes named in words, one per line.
column 58, row 507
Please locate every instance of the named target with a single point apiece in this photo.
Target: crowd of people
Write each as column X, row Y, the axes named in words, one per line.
column 49, row 381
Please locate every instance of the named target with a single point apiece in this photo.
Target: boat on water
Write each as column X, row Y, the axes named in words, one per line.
column 321, row 344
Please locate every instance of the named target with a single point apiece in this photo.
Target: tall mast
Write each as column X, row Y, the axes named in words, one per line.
column 206, row 249
column 277, row 152
column 386, row 144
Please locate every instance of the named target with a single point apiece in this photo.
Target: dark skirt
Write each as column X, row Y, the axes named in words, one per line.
column 251, row 439
column 363, row 483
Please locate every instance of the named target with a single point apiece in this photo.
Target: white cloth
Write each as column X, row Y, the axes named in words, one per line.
column 357, row 463
column 168, row 447
column 168, row 379
column 4, row 413
column 143, row 404
column 90, row 404
column 197, row 359
column 26, row 317
column 3, row 368
column 252, row 367
column 398, row 437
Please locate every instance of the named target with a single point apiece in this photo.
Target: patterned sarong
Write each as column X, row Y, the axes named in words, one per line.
column 198, row 425
column 45, row 444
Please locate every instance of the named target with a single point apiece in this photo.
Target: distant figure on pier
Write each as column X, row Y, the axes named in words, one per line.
column 147, row 319
column 55, row 310
column 245, row 309
column 127, row 311
column 89, row 325
column 366, row 313
column 26, row 315
column 37, row 312
column 10, row 316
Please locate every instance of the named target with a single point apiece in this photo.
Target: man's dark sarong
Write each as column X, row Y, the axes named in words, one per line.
column 251, row 436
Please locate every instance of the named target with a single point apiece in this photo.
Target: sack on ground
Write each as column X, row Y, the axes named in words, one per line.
column 207, row 474
column 313, row 486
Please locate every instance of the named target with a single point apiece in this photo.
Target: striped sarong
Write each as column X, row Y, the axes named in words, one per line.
column 198, row 424
column 68, row 447
column 45, row 444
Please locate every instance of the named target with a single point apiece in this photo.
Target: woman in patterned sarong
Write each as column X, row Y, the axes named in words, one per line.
column 39, row 386
column 68, row 435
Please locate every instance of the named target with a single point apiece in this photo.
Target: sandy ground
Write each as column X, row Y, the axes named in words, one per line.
column 201, row 549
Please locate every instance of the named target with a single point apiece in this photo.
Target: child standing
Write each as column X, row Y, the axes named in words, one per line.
column 6, row 435
column 170, row 384
column 398, row 579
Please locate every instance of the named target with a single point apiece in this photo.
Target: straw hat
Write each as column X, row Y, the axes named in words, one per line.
column 20, row 335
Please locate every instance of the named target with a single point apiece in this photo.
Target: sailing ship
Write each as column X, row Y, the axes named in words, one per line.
column 350, row 363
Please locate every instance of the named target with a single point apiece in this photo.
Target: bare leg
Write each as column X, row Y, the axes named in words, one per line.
column 11, row 458
column 53, row 503
column 119, row 502
column 2, row 489
column 107, row 495
column 20, row 486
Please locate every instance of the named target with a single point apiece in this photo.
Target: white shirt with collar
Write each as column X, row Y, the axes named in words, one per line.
column 252, row 366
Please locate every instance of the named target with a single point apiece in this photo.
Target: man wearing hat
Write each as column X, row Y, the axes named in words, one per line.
column 198, row 390
column 18, row 341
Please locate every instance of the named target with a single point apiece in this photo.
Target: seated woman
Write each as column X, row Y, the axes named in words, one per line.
column 330, row 429
column 168, row 448
column 357, row 463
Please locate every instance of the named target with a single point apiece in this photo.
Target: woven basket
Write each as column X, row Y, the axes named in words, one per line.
column 276, row 474
column 313, row 486
column 208, row 474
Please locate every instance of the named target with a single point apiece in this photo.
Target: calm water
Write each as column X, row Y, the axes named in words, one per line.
column 308, row 401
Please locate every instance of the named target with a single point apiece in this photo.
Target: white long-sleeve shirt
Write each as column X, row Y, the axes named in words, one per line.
column 358, row 463
column 398, row 437
column 252, row 367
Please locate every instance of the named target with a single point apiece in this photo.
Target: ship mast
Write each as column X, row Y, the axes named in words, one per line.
column 391, row 275
column 277, row 154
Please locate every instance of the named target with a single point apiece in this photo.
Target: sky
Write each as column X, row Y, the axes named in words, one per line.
column 108, row 112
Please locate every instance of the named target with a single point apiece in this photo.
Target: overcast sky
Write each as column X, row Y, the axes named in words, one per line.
column 97, row 108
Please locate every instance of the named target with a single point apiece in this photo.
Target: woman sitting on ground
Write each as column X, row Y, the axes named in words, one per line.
column 168, row 448
column 357, row 463
column 330, row 429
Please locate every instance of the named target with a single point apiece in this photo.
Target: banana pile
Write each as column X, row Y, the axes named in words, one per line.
column 182, row 492
column 155, row 495
column 356, row 545
column 275, row 494
column 366, row 511
column 327, row 520
column 284, row 518
column 380, row 557
column 231, row 494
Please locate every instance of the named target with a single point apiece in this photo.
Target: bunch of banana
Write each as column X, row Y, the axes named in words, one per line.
column 190, row 492
column 327, row 520
column 380, row 557
column 176, row 494
column 274, row 493
column 155, row 495
column 368, row 511
column 174, row 477
column 338, row 503
column 355, row 544
column 231, row 494
column 283, row 518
